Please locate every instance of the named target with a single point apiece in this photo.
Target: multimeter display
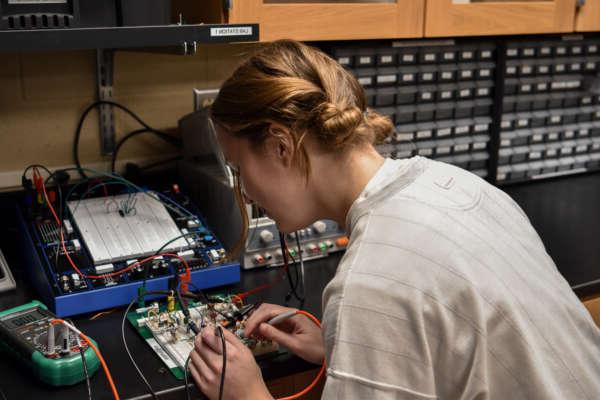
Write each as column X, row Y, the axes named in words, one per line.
column 20, row 320
column 53, row 352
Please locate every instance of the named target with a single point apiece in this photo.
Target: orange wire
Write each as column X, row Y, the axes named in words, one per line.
column 321, row 371
column 100, row 314
column 106, row 371
column 104, row 366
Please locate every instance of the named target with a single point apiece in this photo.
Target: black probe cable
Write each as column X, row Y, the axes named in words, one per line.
column 95, row 104
column 85, row 371
column 194, row 328
column 84, row 362
column 222, row 384
column 133, row 134
column 302, row 275
column 293, row 286
column 137, row 368
column 152, row 392
column 149, row 264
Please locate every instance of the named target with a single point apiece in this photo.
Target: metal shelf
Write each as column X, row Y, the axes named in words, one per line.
column 179, row 38
column 130, row 37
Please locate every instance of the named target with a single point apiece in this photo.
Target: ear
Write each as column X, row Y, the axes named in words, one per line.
column 280, row 144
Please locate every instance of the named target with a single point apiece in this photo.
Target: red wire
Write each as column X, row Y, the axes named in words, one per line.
column 186, row 277
column 243, row 295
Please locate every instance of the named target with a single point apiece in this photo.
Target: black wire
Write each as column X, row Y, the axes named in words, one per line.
column 154, row 396
column 202, row 297
column 114, row 104
column 149, row 263
column 293, row 286
column 133, row 134
column 35, row 166
column 85, row 371
column 222, row 385
column 300, row 266
column 173, row 240
column 296, row 264
column 185, row 375
column 161, row 162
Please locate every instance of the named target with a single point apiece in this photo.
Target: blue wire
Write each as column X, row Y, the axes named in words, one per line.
column 138, row 188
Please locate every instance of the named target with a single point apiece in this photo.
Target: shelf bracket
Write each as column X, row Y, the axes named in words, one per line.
column 104, row 74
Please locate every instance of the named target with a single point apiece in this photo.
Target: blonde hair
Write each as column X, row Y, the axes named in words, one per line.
column 303, row 89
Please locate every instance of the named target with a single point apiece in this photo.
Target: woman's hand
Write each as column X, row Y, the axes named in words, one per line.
column 243, row 379
column 298, row 333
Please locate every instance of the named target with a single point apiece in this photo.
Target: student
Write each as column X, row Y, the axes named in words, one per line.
column 445, row 290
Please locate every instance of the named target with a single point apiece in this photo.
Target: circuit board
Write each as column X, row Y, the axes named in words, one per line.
column 168, row 334
column 112, row 235
column 106, row 237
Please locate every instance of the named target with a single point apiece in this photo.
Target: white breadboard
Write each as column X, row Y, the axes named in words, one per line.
column 110, row 234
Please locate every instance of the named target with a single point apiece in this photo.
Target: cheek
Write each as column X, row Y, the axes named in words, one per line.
column 255, row 182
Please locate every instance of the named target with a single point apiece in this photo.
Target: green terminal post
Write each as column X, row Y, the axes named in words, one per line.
column 141, row 296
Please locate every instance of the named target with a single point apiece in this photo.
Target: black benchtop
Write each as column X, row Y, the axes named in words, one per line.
column 565, row 212
column 16, row 383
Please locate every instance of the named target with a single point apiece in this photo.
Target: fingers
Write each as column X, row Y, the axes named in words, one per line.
column 209, row 338
column 204, row 355
column 231, row 339
column 201, row 373
column 283, row 338
column 212, row 339
column 264, row 313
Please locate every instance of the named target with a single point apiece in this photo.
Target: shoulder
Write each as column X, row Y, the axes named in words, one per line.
column 442, row 185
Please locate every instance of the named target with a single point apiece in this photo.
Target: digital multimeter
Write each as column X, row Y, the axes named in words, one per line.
column 51, row 352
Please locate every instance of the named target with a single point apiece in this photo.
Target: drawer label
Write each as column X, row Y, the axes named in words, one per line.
column 231, row 31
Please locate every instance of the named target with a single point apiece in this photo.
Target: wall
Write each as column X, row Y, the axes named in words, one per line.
column 42, row 96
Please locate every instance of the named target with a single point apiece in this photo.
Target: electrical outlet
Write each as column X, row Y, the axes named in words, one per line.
column 204, row 98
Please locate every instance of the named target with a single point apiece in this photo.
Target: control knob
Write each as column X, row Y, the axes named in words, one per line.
column 320, row 227
column 266, row 236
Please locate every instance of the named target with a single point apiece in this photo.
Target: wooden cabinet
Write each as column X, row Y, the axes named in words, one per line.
column 593, row 306
column 309, row 20
column 313, row 20
column 588, row 17
column 493, row 17
column 327, row 20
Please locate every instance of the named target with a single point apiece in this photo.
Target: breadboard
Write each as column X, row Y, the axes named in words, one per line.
column 112, row 234
column 172, row 341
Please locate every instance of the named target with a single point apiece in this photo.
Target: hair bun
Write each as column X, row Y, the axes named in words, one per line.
column 338, row 124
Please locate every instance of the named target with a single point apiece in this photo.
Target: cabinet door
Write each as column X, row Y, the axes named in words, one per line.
column 498, row 17
column 593, row 306
column 588, row 17
column 331, row 19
